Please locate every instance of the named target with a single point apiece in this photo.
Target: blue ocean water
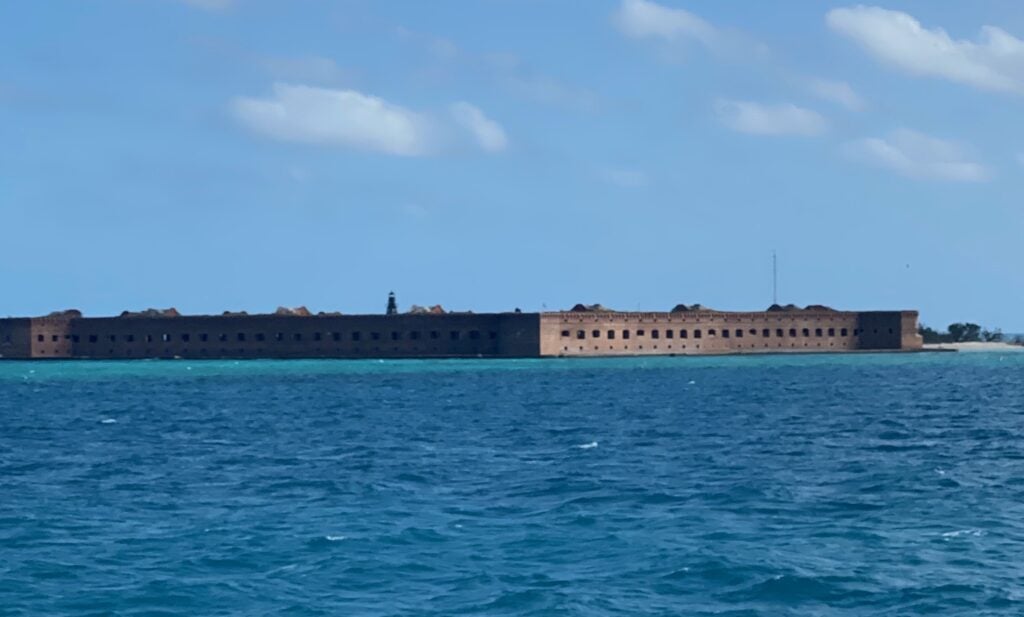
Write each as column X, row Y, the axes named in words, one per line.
column 782, row 485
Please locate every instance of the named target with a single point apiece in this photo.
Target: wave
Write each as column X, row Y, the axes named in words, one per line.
column 976, row 533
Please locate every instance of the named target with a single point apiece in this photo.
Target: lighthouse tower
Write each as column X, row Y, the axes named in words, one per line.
column 392, row 305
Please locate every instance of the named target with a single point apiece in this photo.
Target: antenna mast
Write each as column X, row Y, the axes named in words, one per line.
column 775, row 279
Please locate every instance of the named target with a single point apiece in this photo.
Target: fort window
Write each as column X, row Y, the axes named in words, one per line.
column 580, row 334
column 241, row 336
column 149, row 339
column 454, row 335
column 222, row 337
column 766, row 333
column 261, row 337
column 375, row 336
column 56, row 338
column 356, row 336
column 204, row 337
column 625, row 334
column 297, row 336
column 778, row 332
column 395, row 336
column 565, row 333
column 683, row 334
column 792, row 331
column 74, row 338
column 92, row 338
column 712, row 332
column 817, row 332
column 696, row 333
column 807, row 332
column 753, row 332
column 655, row 334
column 639, row 332
column 414, row 335
column 725, row 333
column 336, row 336
column 317, row 336
column 40, row 338
column 165, row 338
column 184, row 338
column 831, row 331
column 739, row 333
column 670, row 333
column 611, row 334
column 890, row 330
column 492, row 335
column 434, row 334
column 474, row 334
column 843, row 332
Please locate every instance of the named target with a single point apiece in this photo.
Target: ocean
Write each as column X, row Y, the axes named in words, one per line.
column 738, row 486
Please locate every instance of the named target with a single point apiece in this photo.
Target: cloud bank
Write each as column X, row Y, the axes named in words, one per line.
column 347, row 118
column 643, row 19
column 488, row 134
column 761, row 119
column 917, row 155
column 994, row 62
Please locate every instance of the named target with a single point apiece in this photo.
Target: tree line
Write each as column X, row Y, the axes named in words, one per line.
column 965, row 333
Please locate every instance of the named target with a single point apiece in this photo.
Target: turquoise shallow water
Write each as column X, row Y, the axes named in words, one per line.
column 792, row 485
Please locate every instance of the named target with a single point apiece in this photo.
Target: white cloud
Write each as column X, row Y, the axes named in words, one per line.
column 627, row 178
column 917, row 155
column 837, row 92
column 760, row 119
column 335, row 117
column 643, row 19
column 995, row 62
column 487, row 133
column 210, row 5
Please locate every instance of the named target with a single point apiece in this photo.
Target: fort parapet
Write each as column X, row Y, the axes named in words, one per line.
column 433, row 333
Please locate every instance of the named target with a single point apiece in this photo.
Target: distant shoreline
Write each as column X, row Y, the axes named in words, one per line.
column 971, row 347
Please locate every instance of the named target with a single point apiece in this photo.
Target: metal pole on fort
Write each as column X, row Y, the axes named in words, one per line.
column 775, row 279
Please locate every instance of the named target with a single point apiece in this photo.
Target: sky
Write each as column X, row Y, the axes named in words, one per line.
column 218, row 155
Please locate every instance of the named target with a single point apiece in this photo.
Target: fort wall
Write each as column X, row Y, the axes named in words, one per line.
column 276, row 336
column 458, row 335
column 16, row 338
column 606, row 333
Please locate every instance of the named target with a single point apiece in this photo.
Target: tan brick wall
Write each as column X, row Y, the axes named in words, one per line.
column 707, row 332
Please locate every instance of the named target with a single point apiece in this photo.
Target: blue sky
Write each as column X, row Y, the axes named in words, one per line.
column 246, row 154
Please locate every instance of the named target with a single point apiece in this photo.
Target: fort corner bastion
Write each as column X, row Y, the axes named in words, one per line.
column 435, row 333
